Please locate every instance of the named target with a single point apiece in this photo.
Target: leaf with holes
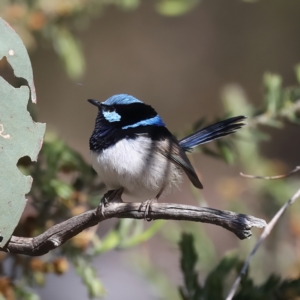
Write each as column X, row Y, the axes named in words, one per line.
column 19, row 135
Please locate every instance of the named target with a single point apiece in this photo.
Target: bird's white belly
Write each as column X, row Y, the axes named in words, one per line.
column 135, row 166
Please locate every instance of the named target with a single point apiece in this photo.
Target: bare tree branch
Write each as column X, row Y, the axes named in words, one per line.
column 263, row 236
column 57, row 235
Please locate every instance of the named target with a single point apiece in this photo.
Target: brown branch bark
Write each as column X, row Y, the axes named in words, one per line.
column 57, row 235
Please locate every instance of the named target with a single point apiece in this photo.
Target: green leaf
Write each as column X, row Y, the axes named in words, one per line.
column 89, row 277
column 24, row 293
column 297, row 70
column 289, row 288
column 109, row 242
column 191, row 290
column 144, row 236
column 70, row 51
column 214, row 283
column 128, row 5
column 62, row 189
column 39, row 278
column 272, row 122
column 235, row 101
column 273, row 93
column 122, row 237
column 173, row 8
column 226, row 151
column 19, row 135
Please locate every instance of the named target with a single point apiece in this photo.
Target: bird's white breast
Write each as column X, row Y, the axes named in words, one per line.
column 136, row 166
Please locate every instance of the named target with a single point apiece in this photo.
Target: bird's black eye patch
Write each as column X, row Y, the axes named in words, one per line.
column 135, row 112
column 108, row 108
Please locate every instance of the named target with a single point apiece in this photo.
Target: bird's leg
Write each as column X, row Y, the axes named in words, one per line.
column 110, row 196
column 148, row 204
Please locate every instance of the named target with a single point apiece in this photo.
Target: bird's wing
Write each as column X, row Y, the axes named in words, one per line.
column 172, row 150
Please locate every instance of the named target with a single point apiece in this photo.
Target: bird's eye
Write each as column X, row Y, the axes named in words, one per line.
column 108, row 109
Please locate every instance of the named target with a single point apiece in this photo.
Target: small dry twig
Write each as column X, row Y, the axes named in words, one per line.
column 297, row 169
column 57, row 235
column 263, row 236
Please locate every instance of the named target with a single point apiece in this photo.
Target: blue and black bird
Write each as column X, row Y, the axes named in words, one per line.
column 134, row 153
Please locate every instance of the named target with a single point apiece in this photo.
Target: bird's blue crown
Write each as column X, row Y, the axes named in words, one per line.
column 121, row 99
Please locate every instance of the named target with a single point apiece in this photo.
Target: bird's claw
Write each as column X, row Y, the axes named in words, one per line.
column 148, row 204
column 103, row 203
column 110, row 196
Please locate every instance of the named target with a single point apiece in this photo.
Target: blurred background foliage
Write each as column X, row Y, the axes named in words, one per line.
column 65, row 185
column 57, row 23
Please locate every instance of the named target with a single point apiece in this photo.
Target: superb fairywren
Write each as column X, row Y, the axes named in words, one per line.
column 134, row 153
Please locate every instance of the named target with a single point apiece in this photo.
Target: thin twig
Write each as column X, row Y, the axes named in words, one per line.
column 263, row 236
column 297, row 169
column 57, row 235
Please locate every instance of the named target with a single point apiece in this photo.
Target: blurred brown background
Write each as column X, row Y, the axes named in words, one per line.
column 180, row 66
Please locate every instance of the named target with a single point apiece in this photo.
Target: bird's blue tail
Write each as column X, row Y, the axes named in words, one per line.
column 212, row 132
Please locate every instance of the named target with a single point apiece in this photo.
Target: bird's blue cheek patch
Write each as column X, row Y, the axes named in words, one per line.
column 111, row 116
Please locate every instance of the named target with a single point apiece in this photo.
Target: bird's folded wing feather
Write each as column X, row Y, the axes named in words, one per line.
column 176, row 155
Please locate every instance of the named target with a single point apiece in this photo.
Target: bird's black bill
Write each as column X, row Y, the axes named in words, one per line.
column 94, row 102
